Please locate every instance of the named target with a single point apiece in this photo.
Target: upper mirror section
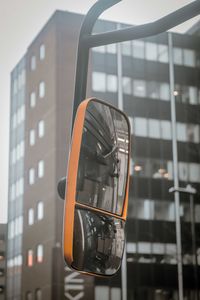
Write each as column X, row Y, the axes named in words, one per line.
column 104, row 156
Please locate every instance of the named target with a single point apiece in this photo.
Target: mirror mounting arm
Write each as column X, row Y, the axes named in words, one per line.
column 88, row 40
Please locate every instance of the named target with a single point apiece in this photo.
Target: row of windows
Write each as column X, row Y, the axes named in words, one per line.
column 41, row 57
column 17, row 153
column 153, row 52
column 18, row 116
column 39, row 255
column 40, row 132
column 102, row 82
column 166, row 253
column 160, row 210
column 40, row 172
column 39, row 213
column 161, row 129
column 41, row 94
column 153, row 168
column 15, row 227
column 17, row 189
column 19, row 82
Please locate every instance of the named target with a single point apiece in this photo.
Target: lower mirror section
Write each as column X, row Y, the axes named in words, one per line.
column 98, row 242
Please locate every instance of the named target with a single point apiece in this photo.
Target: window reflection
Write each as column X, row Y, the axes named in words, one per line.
column 103, row 162
column 102, row 239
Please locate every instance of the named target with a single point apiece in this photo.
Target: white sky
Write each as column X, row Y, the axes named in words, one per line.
column 21, row 20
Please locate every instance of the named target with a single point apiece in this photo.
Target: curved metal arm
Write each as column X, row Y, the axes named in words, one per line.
column 87, row 40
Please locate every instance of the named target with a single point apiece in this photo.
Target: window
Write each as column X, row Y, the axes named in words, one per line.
column 30, row 258
column 30, row 216
column 152, row 89
column 178, row 59
column 99, row 82
column 165, row 130
column 151, row 51
column 139, row 88
column 140, row 127
column 154, row 128
column 100, row 49
column 163, row 54
column 40, row 210
column 32, row 99
column 181, row 132
column 38, row 294
column 126, row 48
column 32, row 137
column 42, row 52
column 193, row 133
column 33, row 63
column 40, row 253
column 193, row 95
column 112, row 83
column 31, row 176
column 40, row 168
column 138, row 49
column 194, row 172
column 42, row 89
column 189, row 58
column 183, row 171
column 112, row 48
column 41, row 129
column 164, row 91
column 14, row 120
column 126, row 83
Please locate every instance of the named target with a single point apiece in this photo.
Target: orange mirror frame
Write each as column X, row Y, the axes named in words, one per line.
column 93, row 235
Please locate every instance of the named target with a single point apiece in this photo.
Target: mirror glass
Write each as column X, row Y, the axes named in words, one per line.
column 103, row 161
column 98, row 242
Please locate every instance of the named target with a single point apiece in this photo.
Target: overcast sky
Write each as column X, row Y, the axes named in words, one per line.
column 21, row 20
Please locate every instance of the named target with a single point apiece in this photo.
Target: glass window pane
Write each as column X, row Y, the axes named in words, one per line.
column 153, row 89
column 163, row 53
column 30, row 258
column 112, row 48
column 40, row 253
column 194, row 172
column 127, row 86
column 30, row 216
column 183, row 171
column 189, row 57
column 138, row 49
column 140, row 126
column 154, row 128
column 42, row 52
column 112, row 83
column 139, row 88
column 193, row 97
column 164, row 91
column 32, row 100
column 165, row 127
column 32, row 137
column 42, row 89
column 144, row 247
column 40, row 210
column 33, row 63
column 193, row 133
column 126, row 48
column 41, row 128
column 100, row 49
column 41, row 169
column 151, row 51
column 31, row 176
column 99, row 82
column 178, row 58
column 181, row 132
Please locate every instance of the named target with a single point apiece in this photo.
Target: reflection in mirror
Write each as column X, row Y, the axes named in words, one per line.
column 103, row 161
column 98, row 242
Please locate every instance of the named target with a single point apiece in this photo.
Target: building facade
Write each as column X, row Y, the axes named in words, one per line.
column 135, row 77
column 3, row 234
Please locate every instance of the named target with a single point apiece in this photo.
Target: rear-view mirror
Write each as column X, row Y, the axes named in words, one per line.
column 96, row 194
